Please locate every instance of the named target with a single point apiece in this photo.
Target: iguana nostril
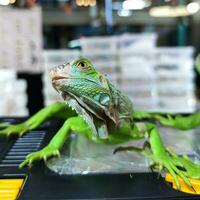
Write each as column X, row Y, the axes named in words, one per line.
column 60, row 66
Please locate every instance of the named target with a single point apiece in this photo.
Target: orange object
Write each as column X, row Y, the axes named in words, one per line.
column 195, row 189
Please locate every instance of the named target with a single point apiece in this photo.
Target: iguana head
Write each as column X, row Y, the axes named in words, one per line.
column 87, row 91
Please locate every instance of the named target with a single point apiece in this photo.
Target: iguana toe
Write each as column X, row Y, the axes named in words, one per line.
column 16, row 129
column 177, row 166
column 4, row 125
column 43, row 154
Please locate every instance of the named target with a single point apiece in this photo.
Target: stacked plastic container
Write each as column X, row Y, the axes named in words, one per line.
column 175, row 85
column 155, row 79
column 13, row 94
column 103, row 53
column 137, row 78
column 21, row 39
column 54, row 58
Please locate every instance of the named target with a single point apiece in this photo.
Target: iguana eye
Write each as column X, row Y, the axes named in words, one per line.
column 83, row 65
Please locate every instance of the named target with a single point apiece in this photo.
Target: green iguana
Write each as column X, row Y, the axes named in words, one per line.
column 95, row 108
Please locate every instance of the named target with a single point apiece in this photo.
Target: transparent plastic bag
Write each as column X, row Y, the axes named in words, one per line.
column 81, row 156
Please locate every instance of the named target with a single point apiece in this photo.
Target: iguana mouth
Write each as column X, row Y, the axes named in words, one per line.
column 59, row 73
column 55, row 78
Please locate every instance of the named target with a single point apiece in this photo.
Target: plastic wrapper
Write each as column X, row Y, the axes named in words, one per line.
column 81, row 156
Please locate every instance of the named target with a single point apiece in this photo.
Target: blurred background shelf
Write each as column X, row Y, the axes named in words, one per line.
column 150, row 58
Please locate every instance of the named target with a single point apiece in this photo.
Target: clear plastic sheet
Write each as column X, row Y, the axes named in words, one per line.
column 81, row 156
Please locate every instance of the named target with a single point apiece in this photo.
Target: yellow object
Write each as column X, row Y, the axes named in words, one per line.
column 195, row 189
column 86, row 2
column 10, row 188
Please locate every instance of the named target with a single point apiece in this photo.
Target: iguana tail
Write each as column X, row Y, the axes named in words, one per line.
column 183, row 122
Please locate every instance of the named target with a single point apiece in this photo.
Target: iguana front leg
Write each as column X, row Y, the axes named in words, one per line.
column 165, row 159
column 55, row 110
column 75, row 124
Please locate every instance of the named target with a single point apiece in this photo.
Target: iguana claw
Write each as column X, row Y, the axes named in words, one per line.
column 177, row 166
column 16, row 129
column 43, row 154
